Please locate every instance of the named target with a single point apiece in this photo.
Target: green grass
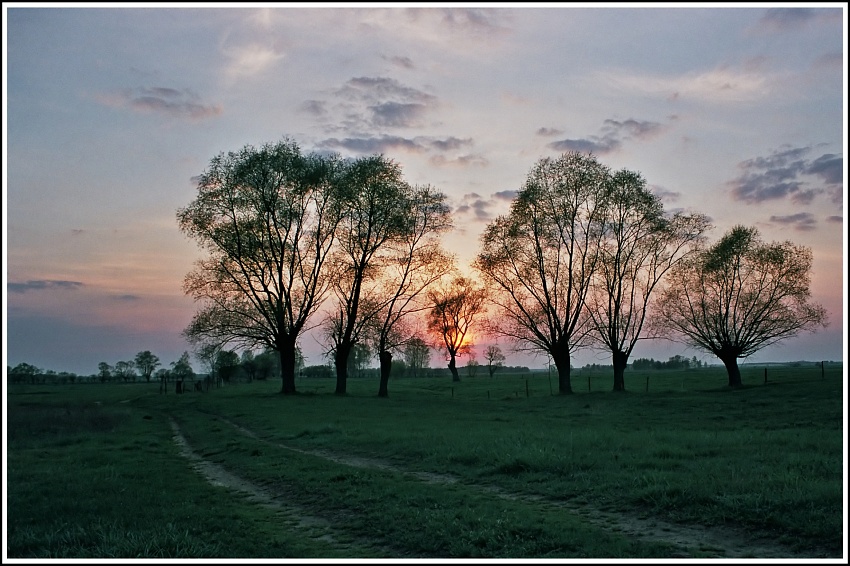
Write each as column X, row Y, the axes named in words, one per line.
column 93, row 470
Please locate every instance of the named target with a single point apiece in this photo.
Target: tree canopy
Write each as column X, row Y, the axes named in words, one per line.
column 266, row 218
column 540, row 259
column 739, row 296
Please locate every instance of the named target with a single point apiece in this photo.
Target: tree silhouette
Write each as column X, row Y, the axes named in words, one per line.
column 541, row 258
column 640, row 245
column 739, row 296
column 453, row 311
column 266, row 219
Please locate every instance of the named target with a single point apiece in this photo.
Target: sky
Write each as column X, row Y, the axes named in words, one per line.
column 111, row 113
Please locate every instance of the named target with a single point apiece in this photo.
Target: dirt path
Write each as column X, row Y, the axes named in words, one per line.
column 716, row 542
column 296, row 515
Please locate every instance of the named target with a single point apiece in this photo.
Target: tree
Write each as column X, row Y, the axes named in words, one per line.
column 146, row 364
column 453, row 310
column 104, row 372
column 472, row 365
column 540, row 259
column 739, row 296
column 207, row 354
column 374, row 199
column 182, row 368
column 641, row 244
column 267, row 219
column 125, row 370
column 248, row 365
column 24, row 372
column 415, row 261
column 495, row 358
column 416, row 355
column 226, row 364
column 268, row 364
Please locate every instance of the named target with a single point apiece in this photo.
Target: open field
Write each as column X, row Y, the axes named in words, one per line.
column 492, row 468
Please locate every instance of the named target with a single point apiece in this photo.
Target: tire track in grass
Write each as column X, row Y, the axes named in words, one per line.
column 711, row 542
column 318, row 527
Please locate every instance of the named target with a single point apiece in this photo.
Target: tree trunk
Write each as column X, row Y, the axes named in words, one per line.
column 731, row 363
column 386, row 359
column 453, row 368
column 621, row 361
column 343, row 352
column 561, row 357
column 286, row 349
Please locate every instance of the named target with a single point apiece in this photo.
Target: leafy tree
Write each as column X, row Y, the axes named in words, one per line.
column 146, row 363
column 375, row 215
column 226, row 364
column 739, row 296
column 207, row 354
column 266, row 219
column 416, row 355
column 24, row 372
column 472, row 365
column 641, row 244
column 268, row 364
column 104, row 372
column 181, row 370
column 125, row 370
column 495, row 358
column 453, row 310
column 415, row 261
column 248, row 365
column 541, row 258
column 358, row 359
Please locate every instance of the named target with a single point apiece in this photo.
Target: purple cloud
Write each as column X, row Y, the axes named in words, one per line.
column 782, row 175
column 42, row 285
column 611, row 136
column 802, row 221
column 180, row 103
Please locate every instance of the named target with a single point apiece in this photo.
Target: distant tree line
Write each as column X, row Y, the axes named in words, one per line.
column 675, row 362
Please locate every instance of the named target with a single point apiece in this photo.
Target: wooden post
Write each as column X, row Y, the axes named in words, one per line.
column 647, row 384
column 588, row 383
column 526, row 387
column 550, row 384
column 821, row 370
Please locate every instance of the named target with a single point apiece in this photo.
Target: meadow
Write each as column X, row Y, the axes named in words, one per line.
column 678, row 466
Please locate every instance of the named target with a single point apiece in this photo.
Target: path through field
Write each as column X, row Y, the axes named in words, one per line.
column 716, row 541
column 299, row 516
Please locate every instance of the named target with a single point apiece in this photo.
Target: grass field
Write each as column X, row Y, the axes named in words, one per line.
column 677, row 467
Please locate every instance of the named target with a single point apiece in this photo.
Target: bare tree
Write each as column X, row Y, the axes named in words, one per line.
column 453, row 310
column 495, row 358
column 641, row 244
column 739, row 296
column 540, row 259
column 266, row 219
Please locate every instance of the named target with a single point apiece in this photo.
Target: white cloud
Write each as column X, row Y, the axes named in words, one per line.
column 722, row 84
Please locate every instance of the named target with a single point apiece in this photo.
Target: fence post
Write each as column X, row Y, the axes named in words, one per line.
column 526, row 387
column 765, row 376
column 588, row 383
column 647, row 384
column 821, row 370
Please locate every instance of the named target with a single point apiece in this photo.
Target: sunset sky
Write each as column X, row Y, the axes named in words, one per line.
column 110, row 113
